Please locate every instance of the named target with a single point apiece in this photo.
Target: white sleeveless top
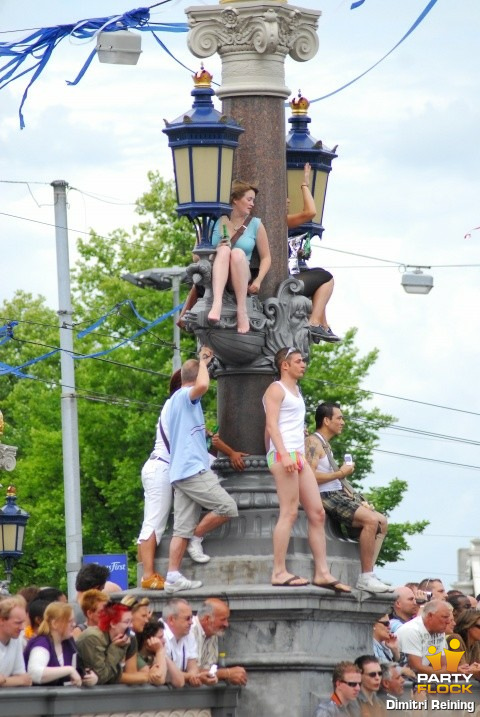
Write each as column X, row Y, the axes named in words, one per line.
column 291, row 421
column 324, row 466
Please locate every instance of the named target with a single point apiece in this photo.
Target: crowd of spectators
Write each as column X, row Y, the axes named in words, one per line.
column 111, row 640
column 424, row 621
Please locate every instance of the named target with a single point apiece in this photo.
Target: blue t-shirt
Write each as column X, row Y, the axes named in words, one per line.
column 246, row 242
column 188, row 448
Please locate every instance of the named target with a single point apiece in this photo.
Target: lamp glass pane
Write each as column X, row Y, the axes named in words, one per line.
column 226, row 174
column 9, row 534
column 205, row 173
column 319, row 195
column 20, row 534
column 294, row 190
column 182, row 174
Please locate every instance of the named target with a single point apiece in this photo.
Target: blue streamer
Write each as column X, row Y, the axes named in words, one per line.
column 356, row 4
column 417, row 22
column 134, row 336
column 16, row 370
column 40, row 45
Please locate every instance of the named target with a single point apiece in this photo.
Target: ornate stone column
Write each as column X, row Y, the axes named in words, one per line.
column 253, row 40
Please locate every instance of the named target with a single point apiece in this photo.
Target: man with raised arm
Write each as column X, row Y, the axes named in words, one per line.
column 294, row 480
column 195, row 485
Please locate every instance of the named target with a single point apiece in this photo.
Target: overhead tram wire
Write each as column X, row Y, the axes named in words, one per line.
column 72, row 327
column 430, row 460
column 389, row 395
column 419, row 431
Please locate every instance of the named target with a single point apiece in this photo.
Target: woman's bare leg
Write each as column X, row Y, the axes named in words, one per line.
column 220, row 269
column 240, row 275
column 320, row 300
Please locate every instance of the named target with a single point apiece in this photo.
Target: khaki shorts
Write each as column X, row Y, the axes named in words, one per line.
column 202, row 490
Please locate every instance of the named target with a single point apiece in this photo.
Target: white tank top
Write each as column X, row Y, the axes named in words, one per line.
column 291, row 421
column 324, row 466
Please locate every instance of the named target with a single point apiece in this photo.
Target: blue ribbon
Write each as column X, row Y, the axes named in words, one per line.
column 417, row 22
column 41, row 44
column 356, row 4
column 16, row 370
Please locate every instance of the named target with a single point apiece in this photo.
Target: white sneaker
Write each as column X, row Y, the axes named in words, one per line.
column 372, row 584
column 195, row 550
column 182, row 583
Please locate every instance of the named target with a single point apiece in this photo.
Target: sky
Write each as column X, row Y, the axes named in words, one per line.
column 403, row 192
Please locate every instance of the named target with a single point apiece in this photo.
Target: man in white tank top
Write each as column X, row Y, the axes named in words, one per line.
column 295, row 482
column 338, row 501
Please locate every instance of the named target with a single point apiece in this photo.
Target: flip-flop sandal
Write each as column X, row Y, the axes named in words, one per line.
column 335, row 585
column 289, row 583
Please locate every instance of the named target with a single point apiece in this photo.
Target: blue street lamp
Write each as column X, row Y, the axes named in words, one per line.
column 303, row 148
column 203, row 142
column 12, row 530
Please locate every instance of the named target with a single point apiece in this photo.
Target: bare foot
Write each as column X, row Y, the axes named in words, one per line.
column 214, row 315
column 243, row 324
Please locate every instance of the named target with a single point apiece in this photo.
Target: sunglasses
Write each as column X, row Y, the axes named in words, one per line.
column 351, row 684
column 386, row 623
column 373, row 674
column 290, row 351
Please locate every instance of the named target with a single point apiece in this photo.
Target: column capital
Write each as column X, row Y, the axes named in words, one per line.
column 253, row 39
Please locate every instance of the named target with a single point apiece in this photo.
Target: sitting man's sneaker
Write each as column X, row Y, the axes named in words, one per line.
column 319, row 333
column 182, row 583
column 195, row 550
column 154, row 582
column 372, row 584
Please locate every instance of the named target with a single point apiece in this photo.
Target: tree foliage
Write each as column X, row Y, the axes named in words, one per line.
column 120, row 394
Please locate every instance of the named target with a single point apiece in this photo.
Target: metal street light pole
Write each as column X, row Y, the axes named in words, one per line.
column 71, row 460
column 166, row 277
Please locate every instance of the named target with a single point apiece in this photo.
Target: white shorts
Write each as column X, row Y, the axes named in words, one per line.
column 158, row 499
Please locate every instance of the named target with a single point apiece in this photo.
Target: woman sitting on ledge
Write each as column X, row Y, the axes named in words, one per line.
column 235, row 238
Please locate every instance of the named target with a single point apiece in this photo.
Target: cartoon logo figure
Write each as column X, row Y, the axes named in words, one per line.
column 452, row 657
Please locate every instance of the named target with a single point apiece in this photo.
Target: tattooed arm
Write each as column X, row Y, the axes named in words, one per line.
column 313, row 452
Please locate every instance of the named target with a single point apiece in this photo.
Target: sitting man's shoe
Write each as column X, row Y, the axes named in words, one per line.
column 333, row 337
column 195, row 550
column 322, row 334
column 182, row 583
column 154, row 582
column 372, row 584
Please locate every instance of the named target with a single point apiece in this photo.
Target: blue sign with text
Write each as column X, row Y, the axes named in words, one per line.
column 117, row 564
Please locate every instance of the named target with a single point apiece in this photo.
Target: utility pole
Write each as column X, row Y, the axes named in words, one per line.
column 71, row 460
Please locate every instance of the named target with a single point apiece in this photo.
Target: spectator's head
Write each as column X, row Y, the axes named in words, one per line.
column 52, row 595
column 346, row 681
column 177, row 614
column 115, row 619
column 213, row 615
column 468, row 626
column 175, row 381
column 371, row 673
column 189, row 372
column 283, row 358
column 153, row 628
column 381, row 628
column 91, row 576
column 405, row 605
column 413, row 587
column 329, row 417
column 473, row 601
column 436, row 615
column 35, row 613
column 433, row 586
column 459, row 602
column 141, row 611
column 57, row 620
column 392, row 679
column 91, row 602
column 29, row 593
column 239, row 189
column 12, row 617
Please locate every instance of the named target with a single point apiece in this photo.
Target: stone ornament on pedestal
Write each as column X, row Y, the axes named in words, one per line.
column 253, row 40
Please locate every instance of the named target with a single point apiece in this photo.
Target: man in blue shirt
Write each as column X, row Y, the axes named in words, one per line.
column 195, row 485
